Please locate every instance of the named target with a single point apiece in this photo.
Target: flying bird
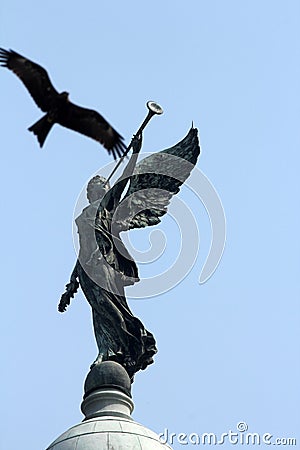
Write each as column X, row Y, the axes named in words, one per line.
column 57, row 106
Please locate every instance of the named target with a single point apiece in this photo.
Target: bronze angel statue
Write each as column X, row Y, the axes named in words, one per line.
column 104, row 267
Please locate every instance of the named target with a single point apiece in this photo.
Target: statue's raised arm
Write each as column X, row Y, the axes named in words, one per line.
column 113, row 195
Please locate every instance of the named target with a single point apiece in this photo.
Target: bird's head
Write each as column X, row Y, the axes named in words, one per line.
column 65, row 95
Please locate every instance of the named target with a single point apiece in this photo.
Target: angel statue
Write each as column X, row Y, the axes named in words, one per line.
column 104, row 266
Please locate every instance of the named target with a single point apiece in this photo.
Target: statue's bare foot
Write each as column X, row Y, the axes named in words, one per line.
column 129, row 362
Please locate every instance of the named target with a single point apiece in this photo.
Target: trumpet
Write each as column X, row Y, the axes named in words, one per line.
column 153, row 109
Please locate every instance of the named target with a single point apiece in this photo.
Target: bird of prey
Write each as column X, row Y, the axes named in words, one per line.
column 57, row 106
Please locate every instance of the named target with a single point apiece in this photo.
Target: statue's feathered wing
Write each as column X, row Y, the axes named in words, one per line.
column 154, row 181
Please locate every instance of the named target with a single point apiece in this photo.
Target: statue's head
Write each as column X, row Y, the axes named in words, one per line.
column 97, row 188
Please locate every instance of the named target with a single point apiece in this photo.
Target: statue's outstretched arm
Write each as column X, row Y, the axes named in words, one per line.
column 71, row 289
column 113, row 197
column 136, row 147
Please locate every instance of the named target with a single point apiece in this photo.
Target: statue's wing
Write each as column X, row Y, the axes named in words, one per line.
column 154, row 181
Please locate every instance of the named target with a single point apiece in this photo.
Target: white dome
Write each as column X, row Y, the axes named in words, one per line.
column 107, row 433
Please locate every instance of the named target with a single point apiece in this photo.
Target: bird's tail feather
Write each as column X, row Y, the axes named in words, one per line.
column 41, row 129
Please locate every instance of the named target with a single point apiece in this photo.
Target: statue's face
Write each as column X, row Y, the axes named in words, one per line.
column 96, row 192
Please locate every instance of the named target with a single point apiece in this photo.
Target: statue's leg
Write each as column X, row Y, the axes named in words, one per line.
column 100, row 339
column 110, row 334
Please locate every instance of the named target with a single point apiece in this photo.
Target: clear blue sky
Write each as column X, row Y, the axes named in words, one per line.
column 228, row 349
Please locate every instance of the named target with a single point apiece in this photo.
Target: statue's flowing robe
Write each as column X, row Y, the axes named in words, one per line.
column 104, row 268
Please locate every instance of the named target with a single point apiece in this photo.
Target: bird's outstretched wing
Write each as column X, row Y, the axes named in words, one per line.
column 34, row 77
column 155, row 180
column 92, row 124
column 83, row 120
